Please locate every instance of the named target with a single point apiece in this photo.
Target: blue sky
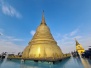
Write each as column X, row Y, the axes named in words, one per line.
column 67, row 19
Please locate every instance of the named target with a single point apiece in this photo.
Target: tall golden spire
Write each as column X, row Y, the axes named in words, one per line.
column 43, row 18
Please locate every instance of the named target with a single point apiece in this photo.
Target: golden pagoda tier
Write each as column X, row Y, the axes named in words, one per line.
column 42, row 46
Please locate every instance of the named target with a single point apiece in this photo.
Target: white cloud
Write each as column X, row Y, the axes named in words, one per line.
column 67, row 41
column 32, row 32
column 7, row 9
column 10, row 38
column 7, row 44
column 1, row 30
column 17, row 39
column 77, row 37
column 74, row 32
column 1, row 33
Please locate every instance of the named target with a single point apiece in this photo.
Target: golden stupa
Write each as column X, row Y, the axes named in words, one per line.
column 79, row 48
column 42, row 46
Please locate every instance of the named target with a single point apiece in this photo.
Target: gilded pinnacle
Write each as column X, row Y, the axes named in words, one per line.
column 43, row 19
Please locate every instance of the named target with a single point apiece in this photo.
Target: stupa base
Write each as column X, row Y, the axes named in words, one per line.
column 39, row 60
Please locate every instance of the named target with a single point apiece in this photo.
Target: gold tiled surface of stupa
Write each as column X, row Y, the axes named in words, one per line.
column 42, row 45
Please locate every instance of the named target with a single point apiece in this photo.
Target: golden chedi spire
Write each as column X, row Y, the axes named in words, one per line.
column 79, row 47
column 77, row 43
column 43, row 19
column 42, row 46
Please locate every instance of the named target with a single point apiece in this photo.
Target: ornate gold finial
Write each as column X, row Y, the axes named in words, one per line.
column 43, row 18
column 76, row 42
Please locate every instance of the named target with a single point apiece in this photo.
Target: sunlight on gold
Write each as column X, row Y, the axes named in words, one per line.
column 39, row 50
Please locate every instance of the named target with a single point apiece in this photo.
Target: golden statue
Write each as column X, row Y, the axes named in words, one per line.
column 79, row 48
column 42, row 46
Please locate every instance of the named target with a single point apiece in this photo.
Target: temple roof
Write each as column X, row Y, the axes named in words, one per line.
column 78, row 46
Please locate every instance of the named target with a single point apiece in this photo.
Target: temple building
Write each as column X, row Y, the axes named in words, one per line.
column 79, row 48
column 42, row 46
